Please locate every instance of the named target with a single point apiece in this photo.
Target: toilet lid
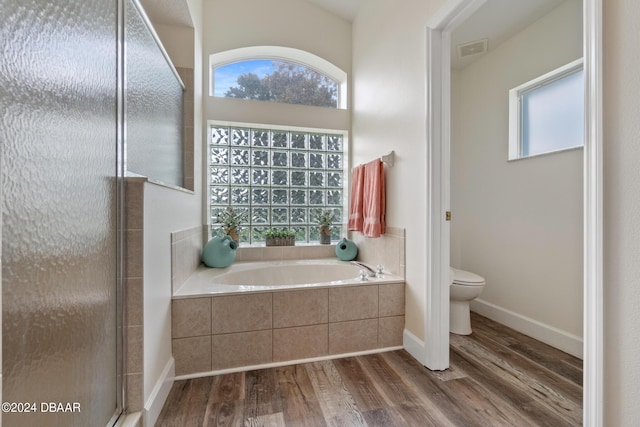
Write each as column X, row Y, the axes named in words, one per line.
column 462, row 277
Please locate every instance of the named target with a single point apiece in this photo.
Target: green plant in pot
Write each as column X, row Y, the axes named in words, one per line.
column 280, row 237
column 230, row 221
column 325, row 220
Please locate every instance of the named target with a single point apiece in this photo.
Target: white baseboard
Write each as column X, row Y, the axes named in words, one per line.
column 414, row 346
column 159, row 394
column 554, row 337
column 131, row 420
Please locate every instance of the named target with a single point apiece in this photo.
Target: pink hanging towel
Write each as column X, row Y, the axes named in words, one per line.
column 355, row 202
column 373, row 199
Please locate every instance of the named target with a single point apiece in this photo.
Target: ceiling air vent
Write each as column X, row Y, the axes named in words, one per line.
column 472, row 48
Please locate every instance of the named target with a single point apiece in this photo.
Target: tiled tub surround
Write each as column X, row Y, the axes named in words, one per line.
column 217, row 331
column 186, row 249
column 388, row 249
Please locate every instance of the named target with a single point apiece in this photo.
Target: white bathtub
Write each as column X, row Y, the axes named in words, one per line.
column 243, row 277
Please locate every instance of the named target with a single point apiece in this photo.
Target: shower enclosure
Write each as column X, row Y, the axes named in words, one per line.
column 60, row 212
column 63, row 95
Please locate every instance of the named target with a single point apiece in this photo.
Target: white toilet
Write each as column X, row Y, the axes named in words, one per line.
column 465, row 287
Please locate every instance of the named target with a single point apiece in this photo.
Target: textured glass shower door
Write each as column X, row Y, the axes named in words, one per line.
column 59, row 197
column 153, row 103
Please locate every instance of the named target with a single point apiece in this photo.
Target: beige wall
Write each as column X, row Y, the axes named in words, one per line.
column 178, row 42
column 621, row 212
column 518, row 224
column 288, row 23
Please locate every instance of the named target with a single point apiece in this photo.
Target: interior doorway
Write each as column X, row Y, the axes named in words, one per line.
column 452, row 14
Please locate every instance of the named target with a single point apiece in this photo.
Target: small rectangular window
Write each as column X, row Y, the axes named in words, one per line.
column 547, row 114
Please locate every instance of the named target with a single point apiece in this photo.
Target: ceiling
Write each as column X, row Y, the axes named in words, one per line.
column 168, row 12
column 497, row 21
column 176, row 12
column 347, row 9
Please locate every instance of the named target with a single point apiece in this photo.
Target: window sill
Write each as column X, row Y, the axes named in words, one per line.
column 260, row 252
column 300, row 244
column 546, row 154
column 132, row 176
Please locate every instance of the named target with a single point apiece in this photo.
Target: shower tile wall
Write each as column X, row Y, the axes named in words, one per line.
column 134, row 323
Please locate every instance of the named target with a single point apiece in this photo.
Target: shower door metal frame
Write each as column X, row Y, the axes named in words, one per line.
column 119, row 415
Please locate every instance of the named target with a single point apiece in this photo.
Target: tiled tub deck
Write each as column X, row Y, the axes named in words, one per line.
column 213, row 333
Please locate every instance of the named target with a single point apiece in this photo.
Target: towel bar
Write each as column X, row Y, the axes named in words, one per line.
column 388, row 158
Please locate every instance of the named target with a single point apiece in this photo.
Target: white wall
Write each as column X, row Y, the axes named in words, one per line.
column 179, row 211
column 518, row 224
column 621, row 212
column 167, row 210
column 289, row 23
column 389, row 75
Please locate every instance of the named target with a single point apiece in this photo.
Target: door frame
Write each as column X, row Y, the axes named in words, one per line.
column 436, row 321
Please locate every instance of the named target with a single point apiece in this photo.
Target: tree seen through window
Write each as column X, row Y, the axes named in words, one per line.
column 277, row 81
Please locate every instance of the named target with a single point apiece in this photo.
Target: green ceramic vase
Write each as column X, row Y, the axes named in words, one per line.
column 346, row 250
column 219, row 252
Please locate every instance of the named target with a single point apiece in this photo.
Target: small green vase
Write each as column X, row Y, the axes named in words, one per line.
column 219, row 252
column 346, row 250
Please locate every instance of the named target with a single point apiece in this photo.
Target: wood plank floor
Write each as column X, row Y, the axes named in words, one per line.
column 498, row 377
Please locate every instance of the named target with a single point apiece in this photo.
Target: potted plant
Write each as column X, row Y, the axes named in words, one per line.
column 280, row 237
column 325, row 219
column 230, row 220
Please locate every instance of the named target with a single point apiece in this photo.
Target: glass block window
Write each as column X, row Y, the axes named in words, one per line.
column 277, row 178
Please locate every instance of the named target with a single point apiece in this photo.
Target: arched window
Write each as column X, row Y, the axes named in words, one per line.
column 277, row 74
